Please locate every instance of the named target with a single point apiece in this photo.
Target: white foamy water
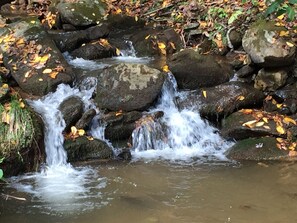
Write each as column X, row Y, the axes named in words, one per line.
column 179, row 134
column 61, row 186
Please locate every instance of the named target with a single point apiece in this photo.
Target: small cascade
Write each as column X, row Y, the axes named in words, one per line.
column 58, row 183
column 179, row 134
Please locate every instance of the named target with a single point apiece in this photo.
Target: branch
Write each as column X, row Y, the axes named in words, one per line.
column 7, row 197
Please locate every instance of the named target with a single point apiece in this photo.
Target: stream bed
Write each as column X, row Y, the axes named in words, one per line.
column 166, row 192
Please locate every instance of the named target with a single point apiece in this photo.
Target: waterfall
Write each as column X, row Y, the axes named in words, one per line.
column 179, row 134
column 54, row 123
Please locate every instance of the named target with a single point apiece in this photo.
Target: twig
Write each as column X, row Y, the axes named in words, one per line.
column 157, row 10
column 7, row 196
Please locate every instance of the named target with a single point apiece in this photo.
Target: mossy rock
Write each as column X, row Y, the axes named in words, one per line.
column 257, row 149
column 21, row 142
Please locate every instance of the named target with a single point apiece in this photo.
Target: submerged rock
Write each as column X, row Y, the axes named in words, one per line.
column 193, row 70
column 82, row 148
column 128, row 87
column 265, row 46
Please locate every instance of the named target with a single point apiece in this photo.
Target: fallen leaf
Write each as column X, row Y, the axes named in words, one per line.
column 118, row 52
column 73, row 130
column 81, row 132
column 259, row 124
column 292, row 153
column 290, row 44
column 265, row 119
column 288, row 120
column 204, row 94
column 47, row 71
column 280, row 130
column 249, row 123
column 165, row 68
column 240, row 98
column 54, row 74
column 284, row 33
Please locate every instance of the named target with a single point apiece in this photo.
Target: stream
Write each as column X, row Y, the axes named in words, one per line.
column 186, row 178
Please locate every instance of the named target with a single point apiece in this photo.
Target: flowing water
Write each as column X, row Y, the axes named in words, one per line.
column 178, row 173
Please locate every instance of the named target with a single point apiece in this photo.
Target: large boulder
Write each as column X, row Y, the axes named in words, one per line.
column 32, row 57
column 224, row 99
column 82, row 149
column 193, row 70
column 81, row 13
column 264, row 45
column 128, row 87
column 72, row 110
column 259, row 149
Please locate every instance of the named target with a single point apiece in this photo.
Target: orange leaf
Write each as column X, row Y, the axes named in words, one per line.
column 54, row 74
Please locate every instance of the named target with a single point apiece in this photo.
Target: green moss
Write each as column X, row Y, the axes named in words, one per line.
column 16, row 128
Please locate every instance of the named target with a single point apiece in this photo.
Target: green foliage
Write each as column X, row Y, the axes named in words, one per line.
column 16, row 127
column 1, row 171
column 279, row 7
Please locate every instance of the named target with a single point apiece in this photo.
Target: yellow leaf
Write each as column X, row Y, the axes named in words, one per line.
column 161, row 45
column 90, row 138
column 22, row 104
column 204, row 94
column 280, row 130
column 279, row 105
column 240, row 98
column 280, row 140
column 265, row 119
column 172, row 45
column 280, row 17
column 249, row 123
column 259, row 124
column 165, row 68
column 148, row 36
column 289, row 120
column 54, row 74
column 40, row 79
column 81, row 132
column 284, row 33
column 44, row 58
column 73, row 130
column 47, row 71
column 118, row 52
column 136, row 18
column 5, row 86
column 118, row 11
column 290, row 44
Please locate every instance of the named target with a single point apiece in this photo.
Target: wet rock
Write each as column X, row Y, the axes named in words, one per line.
column 257, row 149
column 128, row 87
column 193, row 70
column 68, row 41
column 246, row 71
column 283, row 101
column 86, row 119
column 120, row 22
column 224, row 99
column 145, row 41
column 125, row 154
column 120, row 125
column 72, row 110
column 250, row 124
column 22, row 56
column 235, row 38
column 81, row 13
column 92, row 51
column 265, row 47
column 97, row 32
column 82, row 149
column 270, row 80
